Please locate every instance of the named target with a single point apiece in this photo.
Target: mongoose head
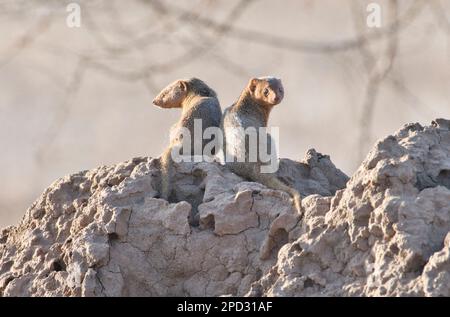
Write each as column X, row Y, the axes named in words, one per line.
column 172, row 96
column 266, row 90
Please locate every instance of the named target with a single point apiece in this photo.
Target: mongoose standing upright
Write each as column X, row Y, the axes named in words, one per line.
column 197, row 101
column 252, row 110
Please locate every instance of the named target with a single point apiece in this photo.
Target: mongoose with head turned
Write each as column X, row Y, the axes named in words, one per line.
column 197, row 101
column 252, row 110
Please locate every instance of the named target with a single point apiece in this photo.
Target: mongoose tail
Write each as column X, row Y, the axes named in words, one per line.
column 166, row 173
column 273, row 182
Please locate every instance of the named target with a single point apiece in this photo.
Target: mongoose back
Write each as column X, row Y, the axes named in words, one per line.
column 197, row 101
column 252, row 110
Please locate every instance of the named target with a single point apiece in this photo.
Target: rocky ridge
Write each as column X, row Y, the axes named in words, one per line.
column 105, row 232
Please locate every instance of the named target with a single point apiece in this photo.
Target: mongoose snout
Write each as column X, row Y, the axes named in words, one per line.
column 172, row 96
column 157, row 102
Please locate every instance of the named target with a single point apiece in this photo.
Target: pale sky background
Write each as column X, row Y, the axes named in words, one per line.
column 56, row 120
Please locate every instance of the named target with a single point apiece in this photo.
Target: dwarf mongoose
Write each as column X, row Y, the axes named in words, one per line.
column 197, row 101
column 252, row 110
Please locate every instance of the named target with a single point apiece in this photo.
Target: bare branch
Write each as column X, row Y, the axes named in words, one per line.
column 63, row 112
column 412, row 100
column 231, row 66
column 305, row 45
column 151, row 36
column 27, row 39
column 439, row 12
column 186, row 58
column 378, row 68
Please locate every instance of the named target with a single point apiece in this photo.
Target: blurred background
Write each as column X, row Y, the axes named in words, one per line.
column 76, row 98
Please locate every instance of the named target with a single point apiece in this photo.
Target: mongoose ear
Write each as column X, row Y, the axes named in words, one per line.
column 252, row 84
column 182, row 84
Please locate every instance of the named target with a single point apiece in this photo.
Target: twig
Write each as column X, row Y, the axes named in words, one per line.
column 185, row 59
column 439, row 12
column 305, row 45
column 412, row 100
column 27, row 39
column 63, row 112
column 377, row 68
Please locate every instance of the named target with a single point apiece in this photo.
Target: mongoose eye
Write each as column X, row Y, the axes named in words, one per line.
column 266, row 92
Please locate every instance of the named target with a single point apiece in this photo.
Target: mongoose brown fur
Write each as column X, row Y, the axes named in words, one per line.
column 197, row 101
column 252, row 110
